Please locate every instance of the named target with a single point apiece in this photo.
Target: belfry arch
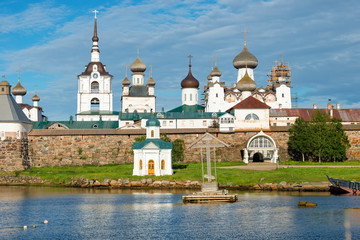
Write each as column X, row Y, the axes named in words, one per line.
column 260, row 148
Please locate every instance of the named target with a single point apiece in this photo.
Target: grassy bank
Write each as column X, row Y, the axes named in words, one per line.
column 192, row 171
column 344, row 163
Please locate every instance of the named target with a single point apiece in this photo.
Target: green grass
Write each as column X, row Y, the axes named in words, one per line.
column 193, row 172
column 346, row 163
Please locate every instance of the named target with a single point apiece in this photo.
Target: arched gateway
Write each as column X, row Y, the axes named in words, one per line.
column 259, row 148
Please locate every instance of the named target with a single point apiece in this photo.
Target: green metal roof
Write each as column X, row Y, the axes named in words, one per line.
column 153, row 122
column 188, row 108
column 92, row 112
column 158, row 142
column 78, row 124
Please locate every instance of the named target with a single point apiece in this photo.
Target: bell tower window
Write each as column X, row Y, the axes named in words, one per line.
column 95, row 87
column 95, row 104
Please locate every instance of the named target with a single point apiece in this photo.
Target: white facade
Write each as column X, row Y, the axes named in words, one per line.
column 216, row 98
column 95, row 93
column 226, row 123
column 251, row 119
column 14, row 130
column 190, row 96
column 283, row 96
column 140, row 104
column 152, row 156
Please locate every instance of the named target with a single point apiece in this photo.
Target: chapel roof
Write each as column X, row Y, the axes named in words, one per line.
column 250, row 102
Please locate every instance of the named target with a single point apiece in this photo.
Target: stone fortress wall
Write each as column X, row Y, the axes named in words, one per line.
column 89, row 147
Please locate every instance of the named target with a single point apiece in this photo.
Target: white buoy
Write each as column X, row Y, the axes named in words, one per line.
column 46, row 222
column 25, row 227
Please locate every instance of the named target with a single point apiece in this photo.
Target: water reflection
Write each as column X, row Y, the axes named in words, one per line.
column 140, row 214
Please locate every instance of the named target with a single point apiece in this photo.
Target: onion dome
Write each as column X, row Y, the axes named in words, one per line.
column 35, row 98
column 190, row 81
column 151, row 82
column 18, row 90
column 215, row 72
column 246, row 83
column 209, row 77
column 245, row 59
column 126, row 81
column 138, row 66
column 152, row 122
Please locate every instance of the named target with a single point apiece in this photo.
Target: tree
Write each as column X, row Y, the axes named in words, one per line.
column 299, row 137
column 323, row 138
column 178, row 150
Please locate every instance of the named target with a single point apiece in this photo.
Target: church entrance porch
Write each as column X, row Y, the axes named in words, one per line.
column 151, row 167
column 260, row 148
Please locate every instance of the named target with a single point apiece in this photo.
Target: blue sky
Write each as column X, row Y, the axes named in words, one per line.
column 50, row 41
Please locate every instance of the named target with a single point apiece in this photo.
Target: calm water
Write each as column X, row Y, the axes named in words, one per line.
column 116, row 214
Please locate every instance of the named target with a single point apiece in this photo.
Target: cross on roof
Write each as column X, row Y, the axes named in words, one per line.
column 126, row 70
column 3, row 76
column 190, row 59
column 282, row 56
column 18, row 71
column 138, row 50
column 95, row 11
column 36, row 86
column 212, row 64
column 245, row 35
column 215, row 60
column 150, row 70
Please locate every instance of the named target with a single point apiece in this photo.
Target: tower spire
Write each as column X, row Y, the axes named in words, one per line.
column 95, row 53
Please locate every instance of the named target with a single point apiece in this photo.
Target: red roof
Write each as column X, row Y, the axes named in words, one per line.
column 346, row 115
column 250, row 102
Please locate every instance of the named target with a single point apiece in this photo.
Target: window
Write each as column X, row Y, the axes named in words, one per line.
column 261, row 142
column 140, row 165
column 2, row 89
column 95, row 87
column 217, row 95
column 252, row 116
column 152, row 133
column 95, row 126
column 190, row 97
column 171, row 123
column 18, row 134
column 2, row 134
column 95, row 104
column 204, row 123
column 184, row 97
column 162, row 164
column 282, row 95
column 164, row 123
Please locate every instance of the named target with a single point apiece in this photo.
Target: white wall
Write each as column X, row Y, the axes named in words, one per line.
column 140, row 104
column 190, row 96
column 242, row 124
column 11, row 130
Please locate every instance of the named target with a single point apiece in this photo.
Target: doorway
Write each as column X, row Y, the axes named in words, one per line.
column 151, row 167
column 258, row 157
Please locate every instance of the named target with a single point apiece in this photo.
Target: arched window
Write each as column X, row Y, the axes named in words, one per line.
column 152, row 133
column 95, row 87
column 190, row 97
column 95, row 104
column 185, row 97
column 162, row 164
column 252, row 116
column 261, row 142
column 140, row 165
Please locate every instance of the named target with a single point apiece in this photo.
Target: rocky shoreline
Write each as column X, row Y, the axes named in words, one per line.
column 149, row 183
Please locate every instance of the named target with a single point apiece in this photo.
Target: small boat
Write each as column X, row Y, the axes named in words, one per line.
column 339, row 186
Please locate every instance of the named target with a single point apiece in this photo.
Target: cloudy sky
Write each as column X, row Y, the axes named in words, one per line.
column 50, row 42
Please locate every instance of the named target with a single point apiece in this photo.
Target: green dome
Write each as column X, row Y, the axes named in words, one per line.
column 153, row 122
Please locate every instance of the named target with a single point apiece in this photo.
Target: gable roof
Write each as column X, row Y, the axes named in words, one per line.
column 346, row 115
column 250, row 102
column 158, row 142
column 11, row 111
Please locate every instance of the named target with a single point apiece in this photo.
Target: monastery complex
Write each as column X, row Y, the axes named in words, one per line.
column 253, row 121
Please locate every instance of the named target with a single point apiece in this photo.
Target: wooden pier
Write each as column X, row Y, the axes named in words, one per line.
column 208, row 198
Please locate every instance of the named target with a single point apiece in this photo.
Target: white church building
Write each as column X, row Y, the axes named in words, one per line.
column 153, row 155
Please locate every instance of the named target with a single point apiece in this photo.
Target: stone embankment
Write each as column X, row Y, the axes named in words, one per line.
column 163, row 184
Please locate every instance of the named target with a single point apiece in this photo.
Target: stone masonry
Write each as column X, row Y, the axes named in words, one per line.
column 115, row 147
